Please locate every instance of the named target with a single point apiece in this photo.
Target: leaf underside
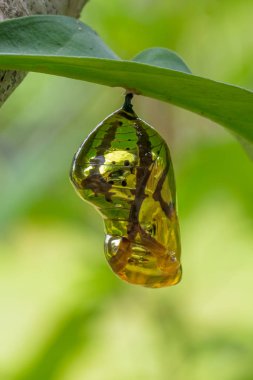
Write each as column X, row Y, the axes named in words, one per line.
column 63, row 46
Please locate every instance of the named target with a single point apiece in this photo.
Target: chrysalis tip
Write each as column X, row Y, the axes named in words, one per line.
column 127, row 106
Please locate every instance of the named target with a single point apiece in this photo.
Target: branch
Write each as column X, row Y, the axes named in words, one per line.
column 9, row 80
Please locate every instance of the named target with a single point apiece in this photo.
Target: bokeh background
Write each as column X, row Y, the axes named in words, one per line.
column 63, row 313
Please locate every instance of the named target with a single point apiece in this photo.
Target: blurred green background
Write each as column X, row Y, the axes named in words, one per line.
column 63, row 313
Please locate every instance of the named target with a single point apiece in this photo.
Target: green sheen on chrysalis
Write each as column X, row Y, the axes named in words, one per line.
column 124, row 170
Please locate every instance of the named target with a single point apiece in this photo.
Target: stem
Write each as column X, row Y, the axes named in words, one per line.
column 127, row 106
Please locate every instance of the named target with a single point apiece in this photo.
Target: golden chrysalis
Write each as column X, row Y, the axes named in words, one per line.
column 124, row 169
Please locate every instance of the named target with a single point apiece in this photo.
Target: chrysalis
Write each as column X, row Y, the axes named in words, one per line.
column 124, row 169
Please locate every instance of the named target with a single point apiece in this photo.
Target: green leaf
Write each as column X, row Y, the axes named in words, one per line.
column 51, row 35
column 60, row 45
column 162, row 57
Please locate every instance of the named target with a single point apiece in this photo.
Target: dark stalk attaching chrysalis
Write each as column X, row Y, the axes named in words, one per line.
column 124, row 169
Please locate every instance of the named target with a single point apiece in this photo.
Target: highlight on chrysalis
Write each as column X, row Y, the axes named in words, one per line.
column 124, row 169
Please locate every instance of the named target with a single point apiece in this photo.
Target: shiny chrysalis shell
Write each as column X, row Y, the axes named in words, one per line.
column 124, row 169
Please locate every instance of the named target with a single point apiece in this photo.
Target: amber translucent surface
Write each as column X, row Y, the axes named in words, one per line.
column 124, row 169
